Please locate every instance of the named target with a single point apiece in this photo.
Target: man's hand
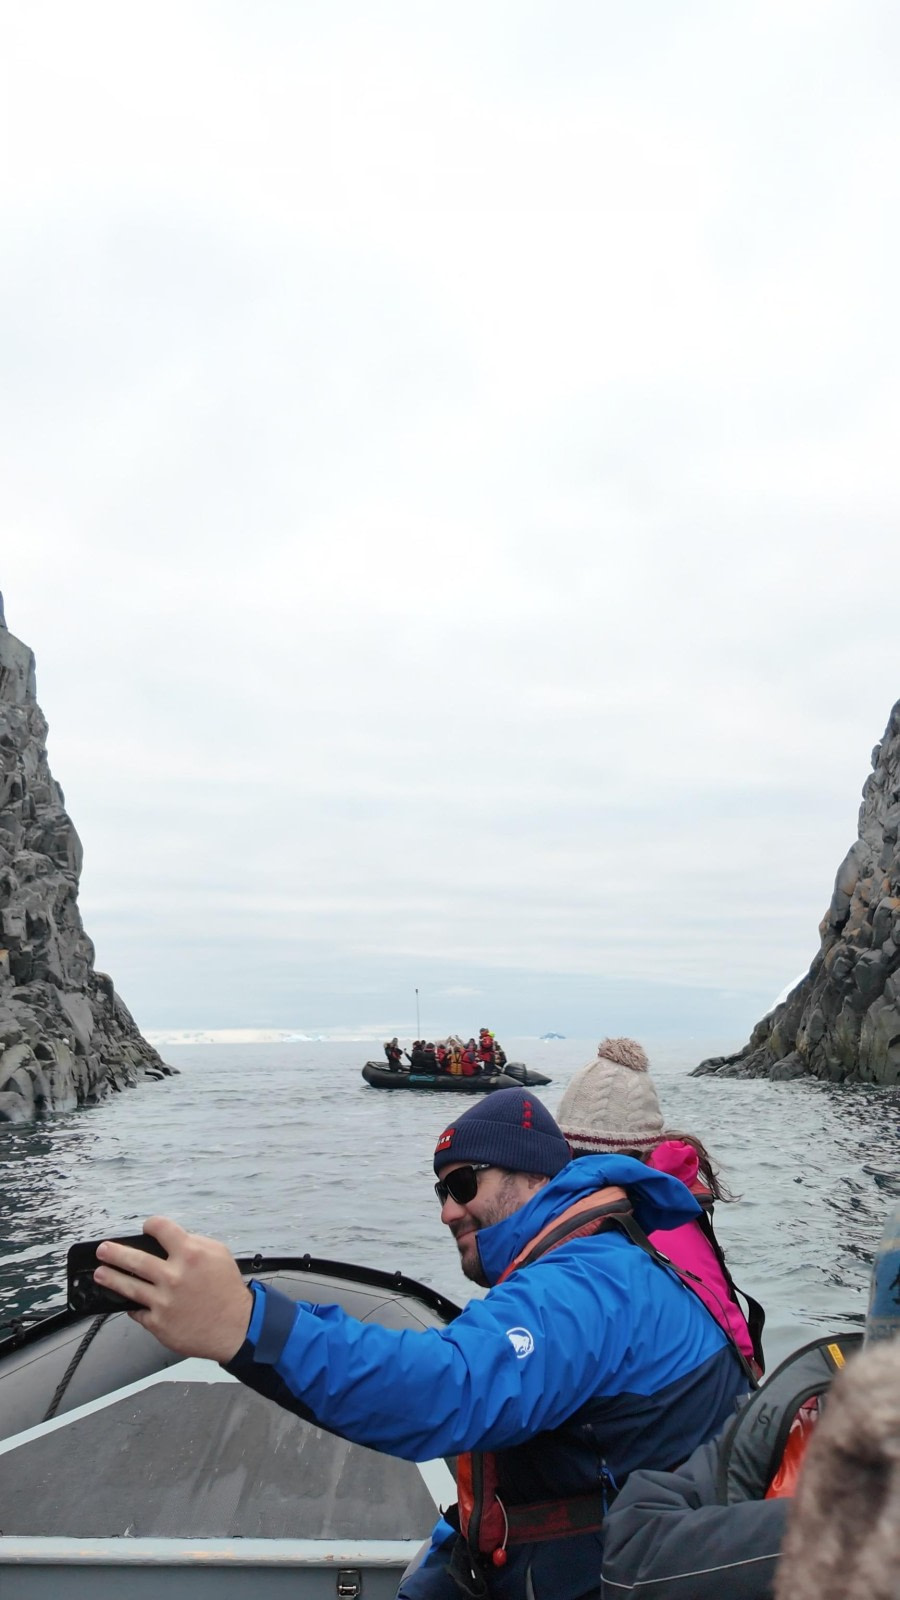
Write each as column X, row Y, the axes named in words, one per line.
column 195, row 1302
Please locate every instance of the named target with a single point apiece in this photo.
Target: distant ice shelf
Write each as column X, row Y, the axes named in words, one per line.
column 162, row 1036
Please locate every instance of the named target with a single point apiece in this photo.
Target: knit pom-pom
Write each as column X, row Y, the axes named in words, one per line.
column 625, row 1053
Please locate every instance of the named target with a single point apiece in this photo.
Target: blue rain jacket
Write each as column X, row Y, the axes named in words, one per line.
column 596, row 1349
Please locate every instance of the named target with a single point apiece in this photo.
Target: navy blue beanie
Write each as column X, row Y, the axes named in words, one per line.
column 508, row 1128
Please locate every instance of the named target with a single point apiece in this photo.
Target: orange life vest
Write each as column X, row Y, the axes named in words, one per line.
column 784, row 1483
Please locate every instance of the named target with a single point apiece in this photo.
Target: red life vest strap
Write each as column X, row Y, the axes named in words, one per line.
column 584, row 1217
column 554, row 1519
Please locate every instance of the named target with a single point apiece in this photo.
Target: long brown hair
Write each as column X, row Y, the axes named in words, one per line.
column 709, row 1172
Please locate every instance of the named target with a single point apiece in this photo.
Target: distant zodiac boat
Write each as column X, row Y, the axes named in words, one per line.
column 513, row 1076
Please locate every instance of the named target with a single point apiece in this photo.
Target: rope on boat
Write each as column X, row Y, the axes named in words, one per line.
column 69, row 1373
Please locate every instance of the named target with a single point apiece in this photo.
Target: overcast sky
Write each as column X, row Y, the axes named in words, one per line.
column 450, row 485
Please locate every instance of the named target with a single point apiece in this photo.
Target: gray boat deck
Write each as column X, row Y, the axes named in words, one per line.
column 184, row 1483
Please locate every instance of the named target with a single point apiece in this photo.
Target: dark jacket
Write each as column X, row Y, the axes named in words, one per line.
column 705, row 1531
column 667, row 1538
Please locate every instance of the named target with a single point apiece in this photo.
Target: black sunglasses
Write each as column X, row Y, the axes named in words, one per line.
column 461, row 1184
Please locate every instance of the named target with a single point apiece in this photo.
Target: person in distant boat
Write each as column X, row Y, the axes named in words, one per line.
column 417, row 1059
column 443, row 1056
column 611, row 1104
column 469, row 1059
column 499, row 1056
column 486, row 1050
column 585, row 1360
column 455, row 1067
column 430, row 1057
column 394, row 1054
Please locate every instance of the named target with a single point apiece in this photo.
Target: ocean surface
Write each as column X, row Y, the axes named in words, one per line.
column 283, row 1148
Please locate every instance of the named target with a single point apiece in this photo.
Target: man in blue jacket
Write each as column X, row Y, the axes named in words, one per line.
column 585, row 1360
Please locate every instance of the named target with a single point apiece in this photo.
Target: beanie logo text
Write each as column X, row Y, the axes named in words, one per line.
column 445, row 1141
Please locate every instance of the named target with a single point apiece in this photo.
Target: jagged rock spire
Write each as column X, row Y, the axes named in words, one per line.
column 66, row 1039
column 842, row 1021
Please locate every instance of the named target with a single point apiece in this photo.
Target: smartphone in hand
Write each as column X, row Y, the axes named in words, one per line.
column 87, row 1296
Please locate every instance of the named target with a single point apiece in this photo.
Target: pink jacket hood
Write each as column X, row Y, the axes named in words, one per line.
column 677, row 1158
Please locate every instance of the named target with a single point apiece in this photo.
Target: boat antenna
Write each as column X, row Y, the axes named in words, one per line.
column 418, row 1025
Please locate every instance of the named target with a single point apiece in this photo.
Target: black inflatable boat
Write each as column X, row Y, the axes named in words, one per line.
column 514, row 1075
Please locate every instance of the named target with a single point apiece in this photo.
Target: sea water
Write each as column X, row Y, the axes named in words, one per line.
column 283, row 1148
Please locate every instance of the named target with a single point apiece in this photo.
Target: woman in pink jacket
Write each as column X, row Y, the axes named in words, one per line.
column 611, row 1105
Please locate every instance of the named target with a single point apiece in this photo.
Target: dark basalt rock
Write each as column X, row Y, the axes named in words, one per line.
column 842, row 1021
column 66, row 1038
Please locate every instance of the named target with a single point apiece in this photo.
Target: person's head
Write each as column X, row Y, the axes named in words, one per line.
column 611, row 1105
column 504, row 1149
column 843, row 1532
column 611, row 1108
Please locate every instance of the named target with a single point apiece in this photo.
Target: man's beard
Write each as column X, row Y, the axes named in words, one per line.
column 505, row 1202
column 473, row 1270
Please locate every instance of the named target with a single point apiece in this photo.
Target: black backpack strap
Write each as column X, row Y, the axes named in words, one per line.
column 755, row 1319
column 755, row 1315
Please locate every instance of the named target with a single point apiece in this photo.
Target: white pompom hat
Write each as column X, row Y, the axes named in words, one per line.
column 611, row 1104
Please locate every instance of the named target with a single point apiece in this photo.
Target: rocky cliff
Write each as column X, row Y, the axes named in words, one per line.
column 842, row 1021
column 66, row 1039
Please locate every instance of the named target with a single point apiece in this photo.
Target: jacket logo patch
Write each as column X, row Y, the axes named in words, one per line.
column 521, row 1340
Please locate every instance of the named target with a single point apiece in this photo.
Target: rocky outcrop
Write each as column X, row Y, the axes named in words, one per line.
column 842, row 1021
column 66, row 1039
